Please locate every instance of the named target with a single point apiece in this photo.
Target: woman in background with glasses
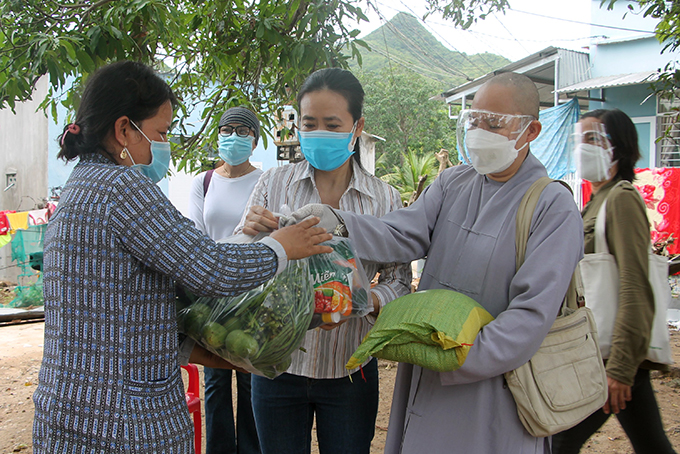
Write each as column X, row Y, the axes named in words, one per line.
column 216, row 204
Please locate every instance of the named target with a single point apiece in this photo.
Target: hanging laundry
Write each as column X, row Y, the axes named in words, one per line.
column 51, row 207
column 660, row 189
column 5, row 239
column 4, row 222
column 38, row 217
column 18, row 221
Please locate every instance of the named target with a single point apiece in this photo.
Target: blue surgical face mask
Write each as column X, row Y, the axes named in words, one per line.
column 234, row 149
column 160, row 159
column 326, row 150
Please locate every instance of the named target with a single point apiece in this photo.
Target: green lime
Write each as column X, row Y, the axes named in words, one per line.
column 195, row 316
column 241, row 344
column 214, row 334
column 232, row 324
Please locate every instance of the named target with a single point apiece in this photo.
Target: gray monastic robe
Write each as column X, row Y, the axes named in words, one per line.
column 465, row 224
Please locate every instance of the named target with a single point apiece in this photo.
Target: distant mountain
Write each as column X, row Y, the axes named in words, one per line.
column 408, row 43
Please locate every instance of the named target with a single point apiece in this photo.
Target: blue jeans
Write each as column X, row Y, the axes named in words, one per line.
column 221, row 438
column 345, row 412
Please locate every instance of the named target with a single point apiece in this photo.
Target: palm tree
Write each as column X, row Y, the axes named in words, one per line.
column 417, row 169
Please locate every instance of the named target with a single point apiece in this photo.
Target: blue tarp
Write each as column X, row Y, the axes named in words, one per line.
column 550, row 147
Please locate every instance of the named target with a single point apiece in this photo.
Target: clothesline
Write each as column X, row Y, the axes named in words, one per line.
column 11, row 221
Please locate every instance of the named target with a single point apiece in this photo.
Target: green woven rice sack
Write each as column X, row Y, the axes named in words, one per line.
column 432, row 328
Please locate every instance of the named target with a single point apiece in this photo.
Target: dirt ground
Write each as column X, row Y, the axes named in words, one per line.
column 21, row 352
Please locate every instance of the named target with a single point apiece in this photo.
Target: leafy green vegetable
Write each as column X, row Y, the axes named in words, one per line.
column 259, row 329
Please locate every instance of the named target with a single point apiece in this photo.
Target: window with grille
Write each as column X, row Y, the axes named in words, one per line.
column 668, row 132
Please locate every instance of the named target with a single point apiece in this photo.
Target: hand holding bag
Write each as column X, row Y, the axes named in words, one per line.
column 565, row 381
column 600, row 276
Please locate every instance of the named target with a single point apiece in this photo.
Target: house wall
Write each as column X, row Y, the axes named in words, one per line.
column 633, row 51
column 23, row 150
column 626, row 23
column 635, row 101
column 629, row 57
column 58, row 170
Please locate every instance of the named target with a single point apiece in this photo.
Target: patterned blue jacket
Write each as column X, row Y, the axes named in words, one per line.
column 110, row 379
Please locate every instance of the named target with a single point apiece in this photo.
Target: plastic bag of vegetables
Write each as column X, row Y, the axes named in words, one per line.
column 341, row 288
column 257, row 330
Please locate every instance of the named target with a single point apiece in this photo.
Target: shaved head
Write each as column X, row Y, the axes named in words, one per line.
column 520, row 92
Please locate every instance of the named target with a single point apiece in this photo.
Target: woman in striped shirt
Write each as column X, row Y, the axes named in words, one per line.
column 345, row 402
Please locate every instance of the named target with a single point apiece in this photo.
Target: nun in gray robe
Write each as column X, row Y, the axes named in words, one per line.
column 464, row 223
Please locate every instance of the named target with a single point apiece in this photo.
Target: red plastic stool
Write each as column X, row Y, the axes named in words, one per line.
column 194, row 403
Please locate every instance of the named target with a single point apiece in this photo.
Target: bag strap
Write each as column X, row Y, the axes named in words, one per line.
column 206, row 181
column 525, row 213
column 601, row 221
column 601, row 230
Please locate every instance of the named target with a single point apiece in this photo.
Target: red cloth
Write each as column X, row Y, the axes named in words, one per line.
column 660, row 189
column 51, row 207
column 4, row 222
column 586, row 191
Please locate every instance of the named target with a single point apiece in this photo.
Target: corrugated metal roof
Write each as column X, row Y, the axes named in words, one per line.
column 514, row 66
column 619, row 80
column 573, row 67
column 625, row 39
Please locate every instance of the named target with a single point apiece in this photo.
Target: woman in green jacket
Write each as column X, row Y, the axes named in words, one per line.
column 607, row 150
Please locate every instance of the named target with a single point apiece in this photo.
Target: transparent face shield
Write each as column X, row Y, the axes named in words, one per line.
column 509, row 126
column 592, row 150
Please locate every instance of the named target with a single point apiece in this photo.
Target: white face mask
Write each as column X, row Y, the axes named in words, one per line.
column 594, row 162
column 490, row 152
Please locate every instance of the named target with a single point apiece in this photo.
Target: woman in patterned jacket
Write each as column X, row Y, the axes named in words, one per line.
column 110, row 379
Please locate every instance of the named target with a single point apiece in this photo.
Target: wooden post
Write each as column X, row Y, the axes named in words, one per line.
column 443, row 158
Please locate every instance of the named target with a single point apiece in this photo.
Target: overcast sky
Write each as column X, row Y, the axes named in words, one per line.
column 529, row 26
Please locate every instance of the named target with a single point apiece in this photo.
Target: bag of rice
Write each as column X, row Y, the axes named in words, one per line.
column 433, row 329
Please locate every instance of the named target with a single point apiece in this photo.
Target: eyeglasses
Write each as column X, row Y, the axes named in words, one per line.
column 241, row 131
column 594, row 133
column 492, row 121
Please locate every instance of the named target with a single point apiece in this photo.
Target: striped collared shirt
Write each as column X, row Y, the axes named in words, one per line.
column 327, row 352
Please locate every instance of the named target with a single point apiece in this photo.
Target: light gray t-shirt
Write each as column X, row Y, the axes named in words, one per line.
column 218, row 214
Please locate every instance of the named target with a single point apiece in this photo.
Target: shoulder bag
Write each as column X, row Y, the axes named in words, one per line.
column 600, row 276
column 565, row 381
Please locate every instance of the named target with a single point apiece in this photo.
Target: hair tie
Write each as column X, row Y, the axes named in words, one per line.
column 73, row 129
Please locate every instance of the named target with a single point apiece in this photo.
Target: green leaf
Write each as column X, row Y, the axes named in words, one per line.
column 69, row 49
column 116, row 33
column 94, row 34
column 54, row 72
column 86, row 61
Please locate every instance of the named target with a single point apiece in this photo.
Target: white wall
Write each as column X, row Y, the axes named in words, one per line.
column 635, row 50
column 619, row 18
column 23, row 148
column 179, row 187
